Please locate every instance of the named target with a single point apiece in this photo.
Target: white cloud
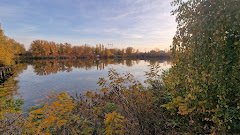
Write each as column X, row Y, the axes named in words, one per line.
column 139, row 23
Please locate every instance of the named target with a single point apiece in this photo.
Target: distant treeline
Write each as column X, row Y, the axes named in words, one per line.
column 41, row 49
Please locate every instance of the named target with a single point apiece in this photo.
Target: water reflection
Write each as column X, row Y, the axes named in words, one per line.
column 42, row 77
column 46, row 67
column 9, row 88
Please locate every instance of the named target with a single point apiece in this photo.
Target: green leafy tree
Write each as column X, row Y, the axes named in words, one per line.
column 204, row 80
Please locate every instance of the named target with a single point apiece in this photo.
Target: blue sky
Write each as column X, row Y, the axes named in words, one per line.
column 144, row 24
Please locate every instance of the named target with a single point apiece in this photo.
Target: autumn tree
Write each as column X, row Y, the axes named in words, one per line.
column 9, row 49
column 204, row 80
column 129, row 51
column 50, row 49
column 50, row 118
column 114, row 123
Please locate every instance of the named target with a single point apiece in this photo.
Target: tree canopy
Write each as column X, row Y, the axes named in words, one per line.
column 204, row 80
column 9, row 49
column 50, row 49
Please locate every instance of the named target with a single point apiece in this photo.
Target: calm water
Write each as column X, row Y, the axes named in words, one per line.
column 40, row 78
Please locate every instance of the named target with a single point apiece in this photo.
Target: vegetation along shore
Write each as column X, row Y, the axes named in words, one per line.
column 199, row 94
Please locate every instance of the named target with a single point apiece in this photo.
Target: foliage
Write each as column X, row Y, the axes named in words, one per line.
column 10, row 112
column 114, row 123
column 9, row 49
column 49, row 49
column 50, row 118
column 200, row 94
column 122, row 106
column 11, row 117
column 204, row 81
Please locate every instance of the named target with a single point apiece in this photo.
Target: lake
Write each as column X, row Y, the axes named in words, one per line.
column 39, row 78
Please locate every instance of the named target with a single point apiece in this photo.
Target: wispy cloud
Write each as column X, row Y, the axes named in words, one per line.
column 10, row 11
column 139, row 23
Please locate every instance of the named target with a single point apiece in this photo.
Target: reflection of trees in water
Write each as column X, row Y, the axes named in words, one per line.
column 10, row 85
column 129, row 63
column 155, row 61
column 46, row 67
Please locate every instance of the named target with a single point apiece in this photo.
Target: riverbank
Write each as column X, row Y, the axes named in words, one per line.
column 5, row 73
column 140, row 57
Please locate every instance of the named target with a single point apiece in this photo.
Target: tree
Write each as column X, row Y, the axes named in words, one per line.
column 9, row 49
column 108, row 53
column 67, row 49
column 204, row 80
column 129, row 51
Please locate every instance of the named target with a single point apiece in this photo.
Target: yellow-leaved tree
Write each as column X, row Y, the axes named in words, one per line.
column 51, row 117
column 9, row 49
column 114, row 123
